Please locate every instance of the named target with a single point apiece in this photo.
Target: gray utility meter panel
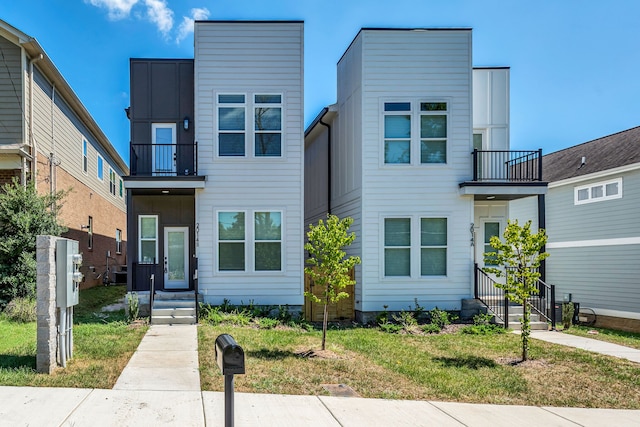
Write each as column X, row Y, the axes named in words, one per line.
column 68, row 276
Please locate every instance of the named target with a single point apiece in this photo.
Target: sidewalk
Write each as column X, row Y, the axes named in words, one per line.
column 161, row 386
column 588, row 344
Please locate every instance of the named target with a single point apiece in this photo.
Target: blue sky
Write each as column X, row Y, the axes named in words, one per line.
column 574, row 63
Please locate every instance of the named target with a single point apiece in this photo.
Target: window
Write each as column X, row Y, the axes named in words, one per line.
column 490, row 229
column 397, row 247
column 268, row 241
column 433, row 246
column 85, row 156
column 100, row 166
column 429, row 252
column 267, row 120
column 118, row 241
column 121, row 188
column 112, row 181
column 263, row 126
column 90, row 233
column 231, row 125
column 606, row 190
column 430, row 119
column 147, row 239
column 249, row 241
column 231, row 241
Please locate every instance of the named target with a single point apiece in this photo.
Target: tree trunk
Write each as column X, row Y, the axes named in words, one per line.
column 325, row 318
column 526, row 330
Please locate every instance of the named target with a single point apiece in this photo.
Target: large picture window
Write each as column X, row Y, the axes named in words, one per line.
column 415, row 132
column 427, row 251
column 147, row 239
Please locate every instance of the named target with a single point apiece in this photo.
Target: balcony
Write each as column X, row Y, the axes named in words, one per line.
column 505, row 175
column 164, row 166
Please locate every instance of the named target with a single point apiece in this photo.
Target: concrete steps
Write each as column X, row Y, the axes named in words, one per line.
column 515, row 314
column 171, row 308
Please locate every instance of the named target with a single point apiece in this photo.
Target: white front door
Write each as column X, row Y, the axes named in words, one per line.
column 176, row 257
column 163, row 138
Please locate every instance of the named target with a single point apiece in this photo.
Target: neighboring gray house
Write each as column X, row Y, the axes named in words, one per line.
column 593, row 226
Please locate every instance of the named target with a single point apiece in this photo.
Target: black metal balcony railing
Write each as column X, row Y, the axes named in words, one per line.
column 164, row 159
column 507, row 166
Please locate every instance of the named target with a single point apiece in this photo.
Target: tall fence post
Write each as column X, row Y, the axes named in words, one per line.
column 553, row 307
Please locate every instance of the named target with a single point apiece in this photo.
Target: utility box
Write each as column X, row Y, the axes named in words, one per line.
column 229, row 355
column 68, row 276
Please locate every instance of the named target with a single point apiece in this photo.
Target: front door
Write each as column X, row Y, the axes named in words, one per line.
column 176, row 257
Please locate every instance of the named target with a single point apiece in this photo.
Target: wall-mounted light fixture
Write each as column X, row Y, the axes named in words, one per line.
column 185, row 123
column 84, row 227
column 491, row 197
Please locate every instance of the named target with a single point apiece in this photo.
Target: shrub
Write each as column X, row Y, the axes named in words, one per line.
column 133, row 307
column 567, row 314
column 390, row 328
column 431, row 328
column 267, row 323
column 21, row 310
column 406, row 319
column 383, row 316
column 482, row 325
column 440, row 317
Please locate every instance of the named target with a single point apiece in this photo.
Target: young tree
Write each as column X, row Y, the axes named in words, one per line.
column 24, row 214
column 520, row 256
column 329, row 265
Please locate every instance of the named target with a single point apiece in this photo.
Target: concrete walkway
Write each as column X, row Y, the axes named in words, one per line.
column 161, row 386
column 588, row 344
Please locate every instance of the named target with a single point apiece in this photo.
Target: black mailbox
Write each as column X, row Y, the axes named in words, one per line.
column 229, row 355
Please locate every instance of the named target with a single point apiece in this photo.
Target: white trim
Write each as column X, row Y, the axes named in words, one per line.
column 140, row 217
column 175, row 284
column 99, row 160
column 597, row 242
column 155, row 183
column 85, row 156
column 596, row 175
column 174, row 141
column 615, row 313
column 589, row 187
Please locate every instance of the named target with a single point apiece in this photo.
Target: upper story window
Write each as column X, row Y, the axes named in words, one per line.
column 415, row 130
column 263, row 112
column 121, row 188
column 112, row 181
column 85, row 156
column 100, row 168
column 598, row 192
column 267, row 120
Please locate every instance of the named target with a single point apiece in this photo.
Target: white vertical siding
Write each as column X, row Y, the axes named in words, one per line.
column 250, row 57
column 491, row 106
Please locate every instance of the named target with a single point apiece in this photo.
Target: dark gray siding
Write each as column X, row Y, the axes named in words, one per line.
column 11, row 93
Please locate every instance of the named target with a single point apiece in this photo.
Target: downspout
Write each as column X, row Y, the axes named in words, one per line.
column 52, row 166
column 328, row 126
column 32, row 140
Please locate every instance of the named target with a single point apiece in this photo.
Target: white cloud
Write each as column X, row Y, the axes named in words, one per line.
column 186, row 27
column 159, row 13
column 118, row 9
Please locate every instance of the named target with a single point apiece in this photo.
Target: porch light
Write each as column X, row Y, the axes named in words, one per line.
column 185, row 123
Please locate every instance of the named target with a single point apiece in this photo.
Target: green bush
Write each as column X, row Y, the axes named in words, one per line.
column 406, row 319
column 267, row 323
column 383, row 316
column 21, row 310
column 482, row 325
column 431, row 328
column 390, row 328
column 133, row 307
column 440, row 317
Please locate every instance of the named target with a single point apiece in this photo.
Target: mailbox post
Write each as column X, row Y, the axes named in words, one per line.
column 230, row 360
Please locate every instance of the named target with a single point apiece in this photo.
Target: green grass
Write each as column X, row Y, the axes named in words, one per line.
column 103, row 344
column 449, row 367
column 629, row 339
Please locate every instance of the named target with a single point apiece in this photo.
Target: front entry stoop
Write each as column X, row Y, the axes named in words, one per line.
column 171, row 308
column 515, row 314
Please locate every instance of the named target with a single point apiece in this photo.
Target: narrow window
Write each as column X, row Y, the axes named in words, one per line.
column 163, row 138
column 433, row 246
column 100, row 168
column 147, row 239
column 121, row 188
column 118, row 241
column 85, row 156
column 397, row 247
column 268, row 241
column 490, row 229
column 231, row 125
column 268, row 125
column 231, row 241
column 397, row 132
column 433, row 132
column 90, row 233
column 112, row 181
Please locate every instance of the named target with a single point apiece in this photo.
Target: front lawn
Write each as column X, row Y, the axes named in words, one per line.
column 103, row 344
column 449, row 367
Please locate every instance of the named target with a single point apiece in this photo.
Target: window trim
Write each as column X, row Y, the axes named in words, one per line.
column 603, row 185
column 174, row 142
column 250, row 242
column 112, row 181
column 445, row 246
column 100, row 168
column 90, row 233
column 118, row 241
column 415, row 139
column 140, row 239
column 85, row 156
column 415, row 273
column 249, row 131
